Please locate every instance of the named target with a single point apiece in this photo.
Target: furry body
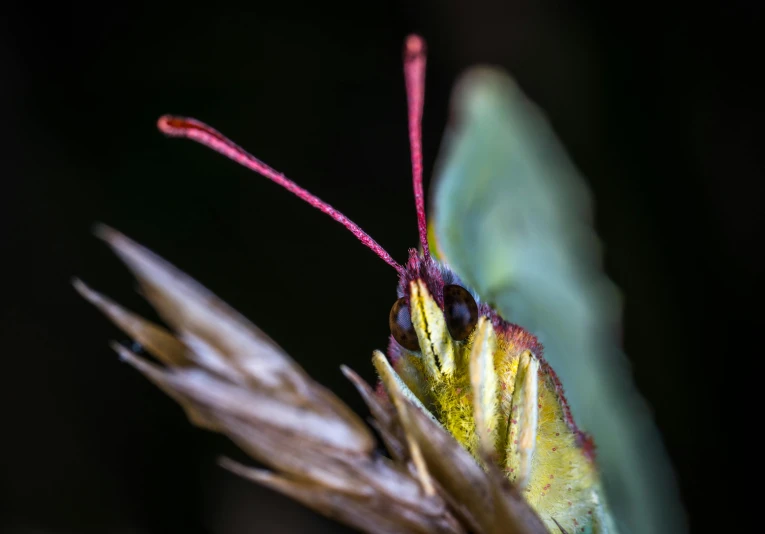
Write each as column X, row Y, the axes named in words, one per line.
column 535, row 439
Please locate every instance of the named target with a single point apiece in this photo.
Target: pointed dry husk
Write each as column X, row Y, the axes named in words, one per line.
column 231, row 378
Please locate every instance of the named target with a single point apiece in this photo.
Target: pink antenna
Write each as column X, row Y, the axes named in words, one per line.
column 211, row 138
column 414, row 73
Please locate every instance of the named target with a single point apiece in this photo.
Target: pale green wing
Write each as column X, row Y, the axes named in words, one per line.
column 512, row 218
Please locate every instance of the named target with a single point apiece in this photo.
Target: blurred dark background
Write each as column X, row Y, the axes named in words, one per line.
column 655, row 103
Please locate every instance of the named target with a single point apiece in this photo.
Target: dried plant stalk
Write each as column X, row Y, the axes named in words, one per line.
column 231, row 378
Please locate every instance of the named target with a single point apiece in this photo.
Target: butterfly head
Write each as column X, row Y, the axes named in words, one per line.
column 433, row 303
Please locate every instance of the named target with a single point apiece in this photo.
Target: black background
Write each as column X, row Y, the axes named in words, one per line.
column 656, row 104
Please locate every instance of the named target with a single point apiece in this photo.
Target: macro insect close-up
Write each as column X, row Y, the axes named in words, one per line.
column 452, row 355
column 496, row 375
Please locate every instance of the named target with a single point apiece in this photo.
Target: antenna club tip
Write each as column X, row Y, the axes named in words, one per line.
column 171, row 125
column 163, row 121
column 414, row 46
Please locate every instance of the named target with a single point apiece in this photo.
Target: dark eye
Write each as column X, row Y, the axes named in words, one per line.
column 460, row 310
column 401, row 325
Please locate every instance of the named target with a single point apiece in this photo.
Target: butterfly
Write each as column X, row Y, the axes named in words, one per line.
column 501, row 306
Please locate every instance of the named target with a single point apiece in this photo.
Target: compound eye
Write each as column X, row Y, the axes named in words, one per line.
column 460, row 311
column 400, row 321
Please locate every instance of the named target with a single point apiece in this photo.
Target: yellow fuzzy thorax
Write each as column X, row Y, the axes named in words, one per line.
column 491, row 384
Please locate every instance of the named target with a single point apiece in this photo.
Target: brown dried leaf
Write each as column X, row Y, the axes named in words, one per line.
column 157, row 340
column 231, row 378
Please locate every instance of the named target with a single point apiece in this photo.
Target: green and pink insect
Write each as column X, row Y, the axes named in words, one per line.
column 505, row 265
